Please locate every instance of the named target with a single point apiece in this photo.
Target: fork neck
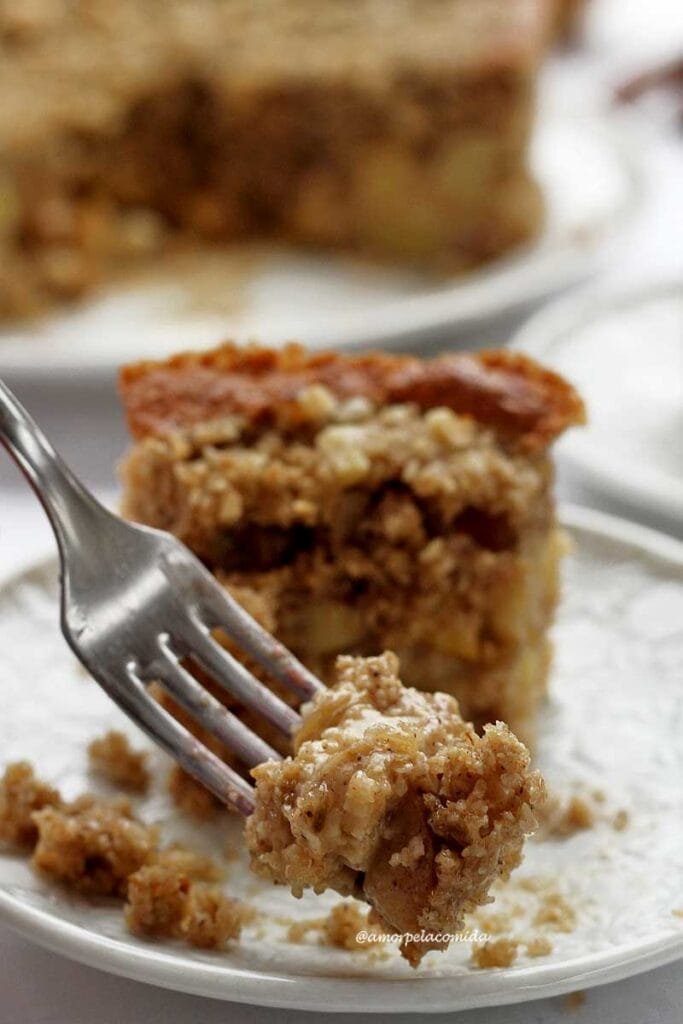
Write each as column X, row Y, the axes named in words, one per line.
column 69, row 506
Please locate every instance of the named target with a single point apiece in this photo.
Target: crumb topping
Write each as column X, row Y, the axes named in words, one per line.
column 112, row 757
column 92, row 846
column 556, row 913
column 392, row 797
column 21, row 794
column 496, row 953
column 343, row 924
column 211, row 919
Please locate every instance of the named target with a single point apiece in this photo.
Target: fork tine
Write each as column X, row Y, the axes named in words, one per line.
column 237, row 680
column 223, row 611
column 206, row 710
column 193, row 756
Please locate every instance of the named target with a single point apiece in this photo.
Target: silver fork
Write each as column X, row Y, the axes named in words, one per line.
column 136, row 603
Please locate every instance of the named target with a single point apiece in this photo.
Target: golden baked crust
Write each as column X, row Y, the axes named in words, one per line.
column 505, row 390
column 390, row 796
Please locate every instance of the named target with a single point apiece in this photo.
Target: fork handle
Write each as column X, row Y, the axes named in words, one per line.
column 69, row 506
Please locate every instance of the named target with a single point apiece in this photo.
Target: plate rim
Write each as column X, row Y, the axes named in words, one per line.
column 553, row 325
column 336, row 994
column 491, row 293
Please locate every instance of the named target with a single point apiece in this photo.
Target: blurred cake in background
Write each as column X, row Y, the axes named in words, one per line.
column 568, row 18
column 398, row 131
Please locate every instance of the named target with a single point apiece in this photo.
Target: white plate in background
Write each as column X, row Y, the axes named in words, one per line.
column 624, row 352
column 612, row 721
column 592, row 184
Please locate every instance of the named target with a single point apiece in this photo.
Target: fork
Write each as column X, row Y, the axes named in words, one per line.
column 137, row 606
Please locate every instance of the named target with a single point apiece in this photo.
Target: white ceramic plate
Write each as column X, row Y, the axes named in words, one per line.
column 592, row 187
column 624, row 352
column 613, row 721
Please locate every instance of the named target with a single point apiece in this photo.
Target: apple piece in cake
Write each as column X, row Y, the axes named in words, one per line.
column 391, row 797
column 399, row 131
column 368, row 503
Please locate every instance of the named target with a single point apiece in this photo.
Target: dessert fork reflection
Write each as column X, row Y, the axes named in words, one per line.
column 138, row 607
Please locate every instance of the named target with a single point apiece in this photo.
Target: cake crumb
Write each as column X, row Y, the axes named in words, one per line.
column 92, row 846
column 112, row 757
column 21, row 794
column 555, row 913
column 533, row 883
column 157, row 899
column 494, row 924
column 100, row 848
column 340, row 928
column 620, row 820
column 578, row 815
column 164, row 902
column 343, row 924
column 496, row 953
column 190, row 796
column 197, row 866
column 298, row 931
column 539, row 945
column 564, row 816
column 574, row 1001
column 561, row 818
column 211, row 919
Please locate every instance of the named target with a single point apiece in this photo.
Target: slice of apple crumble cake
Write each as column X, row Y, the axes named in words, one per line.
column 366, row 503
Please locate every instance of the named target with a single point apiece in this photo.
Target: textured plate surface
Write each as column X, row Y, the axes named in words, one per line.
column 614, row 721
column 591, row 186
column 624, row 352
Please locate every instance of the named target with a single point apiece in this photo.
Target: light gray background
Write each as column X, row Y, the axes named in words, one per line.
column 37, row 987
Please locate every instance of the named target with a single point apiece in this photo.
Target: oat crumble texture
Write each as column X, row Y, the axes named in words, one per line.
column 343, row 924
column 112, row 757
column 99, row 848
column 92, row 846
column 496, row 953
column 211, row 918
column 156, row 901
column 391, row 797
column 357, row 504
column 556, row 913
column 399, row 131
column 21, row 794
column 165, row 902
